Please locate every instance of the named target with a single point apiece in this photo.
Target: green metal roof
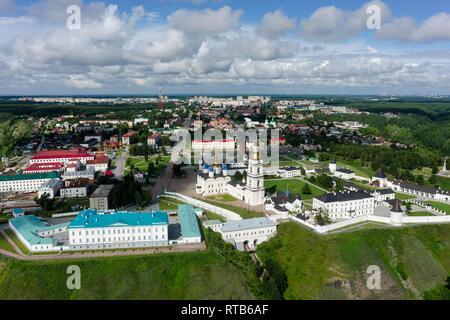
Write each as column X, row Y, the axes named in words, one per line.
column 188, row 221
column 32, row 176
column 29, row 226
column 90, row 218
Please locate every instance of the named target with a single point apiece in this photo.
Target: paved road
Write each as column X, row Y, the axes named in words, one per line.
column 120, row 164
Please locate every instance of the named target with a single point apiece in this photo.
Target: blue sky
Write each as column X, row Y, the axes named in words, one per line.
column 221, row 46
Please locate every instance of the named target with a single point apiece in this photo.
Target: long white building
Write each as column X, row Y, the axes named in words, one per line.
column 343, row 205
column 250, row 232
column 25, row 182
column 94, row 230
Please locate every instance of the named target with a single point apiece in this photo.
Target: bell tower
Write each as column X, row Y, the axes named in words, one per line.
column 255, row 179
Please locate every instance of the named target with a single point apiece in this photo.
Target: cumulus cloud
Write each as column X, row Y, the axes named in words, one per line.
column 7, row 6
column 205, row 21
column 332, row 24
column 117, row 50
column 82, row 82
column 435, row 28
column 275, row 23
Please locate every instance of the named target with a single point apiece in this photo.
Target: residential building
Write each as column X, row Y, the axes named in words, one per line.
column 127, row 138
column 75, row 188
column 94, row 230
column 100, row 199
column 62, row 156
column 50, row 188
column 343, row 205
column 25, row 182
column 154, row 139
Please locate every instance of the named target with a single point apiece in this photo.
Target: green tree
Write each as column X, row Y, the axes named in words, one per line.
column 322, row 217
column 306, row 189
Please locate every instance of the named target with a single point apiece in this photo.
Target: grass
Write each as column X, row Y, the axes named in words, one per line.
column 420, row 214
column 294, row 186
column 243, row 212
column 413, row 259
column 16, row 240
column 168, row 204
column 402, row 197
column 222, row 197
column 167, row 277
column 357, row 167
column 214, row 216
column 5, row 245
column 439, row 205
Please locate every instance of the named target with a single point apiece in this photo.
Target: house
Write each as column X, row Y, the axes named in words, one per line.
column 344, row 205
column 284, row 202
column 343, row 173
column 154, row 139
column 76, row 188
column 289, row 172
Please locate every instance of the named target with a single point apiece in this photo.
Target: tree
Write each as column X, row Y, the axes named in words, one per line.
column 45, row 202
column 150, row 169
column 433, row 179
column 420, row 179
column 306, row 189
column 322, row 218
column 408, row 208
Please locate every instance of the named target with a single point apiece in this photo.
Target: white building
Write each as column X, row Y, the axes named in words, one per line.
column 289, row 172
column 250, row 232
column 421, row 191
column 283, row 203
column 95, row 230
column 380, row 179
column 88, row 174
column 345, row 174
column 51, row 188
column 343, row 205
column 75, row 188
column 25, row 182
column 62, row 156
column 382, row 195
column 215, row 180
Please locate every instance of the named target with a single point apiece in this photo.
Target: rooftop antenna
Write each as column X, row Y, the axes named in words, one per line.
column 161, row 100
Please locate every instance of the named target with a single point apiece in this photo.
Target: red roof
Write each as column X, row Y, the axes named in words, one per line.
column 155, row 135
column 129, row 134
column 50, row 154
column 98, row 160
column 50, row 166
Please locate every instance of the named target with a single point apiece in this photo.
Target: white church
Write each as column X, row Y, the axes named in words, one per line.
column 214, row 179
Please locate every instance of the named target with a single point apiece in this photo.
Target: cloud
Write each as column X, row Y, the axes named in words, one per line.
column 7, row 6
column 118, row 51
column 332, row 24
column 204, row 22
column 435, row 28
column 81, row 82
column 275, row 23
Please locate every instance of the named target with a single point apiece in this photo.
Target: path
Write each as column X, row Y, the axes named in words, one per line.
column 97, row 254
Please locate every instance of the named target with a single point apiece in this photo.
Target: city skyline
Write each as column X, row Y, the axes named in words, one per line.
column 224, row 47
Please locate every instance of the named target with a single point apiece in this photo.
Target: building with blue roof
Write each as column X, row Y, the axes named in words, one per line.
column 92, row 229
column 190, row 229
column 37, row 235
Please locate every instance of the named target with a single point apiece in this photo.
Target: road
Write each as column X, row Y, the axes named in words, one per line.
column 163, row 182
column 120, row 164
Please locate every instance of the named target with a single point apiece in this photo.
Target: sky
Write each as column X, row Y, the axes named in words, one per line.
column 225, row 47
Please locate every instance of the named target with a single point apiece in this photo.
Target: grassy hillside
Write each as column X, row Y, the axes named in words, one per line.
column 167, row 276
column 412, row 260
